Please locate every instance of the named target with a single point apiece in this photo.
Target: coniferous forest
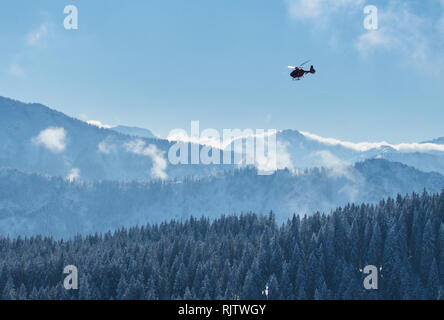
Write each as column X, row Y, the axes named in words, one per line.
column 244, row 257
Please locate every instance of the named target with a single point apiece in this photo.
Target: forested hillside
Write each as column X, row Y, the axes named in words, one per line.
column 237, row 257
column 32, row 204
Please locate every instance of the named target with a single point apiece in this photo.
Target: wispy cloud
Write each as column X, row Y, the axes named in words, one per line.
column 218, row 141
column 105, row 147
column 157, row 156
column 418, row 40
column 17, row 70
column 413, row 37
column 366, row 146
column 399, row 26
column 274, row 159
column 54, row 139
column 319, row 11
column 369, row 41
column 38, row 36
column 336, row 166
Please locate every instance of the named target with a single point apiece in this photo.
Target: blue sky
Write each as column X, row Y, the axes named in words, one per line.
column 161, row 64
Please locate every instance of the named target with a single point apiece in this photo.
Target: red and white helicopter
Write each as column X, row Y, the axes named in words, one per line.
column 298, row 72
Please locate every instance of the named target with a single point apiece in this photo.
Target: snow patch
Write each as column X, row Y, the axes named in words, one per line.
column 73, row 175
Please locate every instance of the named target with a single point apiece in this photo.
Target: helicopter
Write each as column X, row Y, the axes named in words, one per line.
column 298, row 72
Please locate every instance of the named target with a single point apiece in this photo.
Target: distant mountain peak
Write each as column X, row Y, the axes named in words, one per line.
column 439, row 140
column 134, row 131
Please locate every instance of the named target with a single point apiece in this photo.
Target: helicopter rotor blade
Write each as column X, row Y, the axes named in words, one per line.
column 305, row 63
column 291, row 67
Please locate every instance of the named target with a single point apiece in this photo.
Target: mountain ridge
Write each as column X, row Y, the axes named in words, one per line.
column 134, row 131
column 95, row 153
column 36, row 203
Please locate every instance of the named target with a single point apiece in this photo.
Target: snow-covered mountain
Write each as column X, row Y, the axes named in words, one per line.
column 35, row 138
column 61, row 176
column 31, row 203
column 437, row 141
column 305, row 150
column 302, row 150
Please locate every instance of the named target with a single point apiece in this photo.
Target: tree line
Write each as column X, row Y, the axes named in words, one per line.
column 245, row 256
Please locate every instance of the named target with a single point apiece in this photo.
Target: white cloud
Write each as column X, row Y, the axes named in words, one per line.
column 366, row 146
column 367, row 42
column 336, row 166
column 52, row 139
column 326, row 159
column 98, row 124
column 182, row 136
column 16, row 70
column 159, row 162
column 157, row 156
column 269, row 163
column 419, row 147
column 398, row 28
column 135, row 146
column 38, row 36
column 319, row 10
column 105, row 147
column 416, row 39
column 216, row 142
column 283, row 157
column 274, row 159
column 73, row 175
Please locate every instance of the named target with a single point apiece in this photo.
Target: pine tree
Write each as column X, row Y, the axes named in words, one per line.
column 244, row 257
column 9, row 292
column 273, row 289
column 252, row 290
column 22, row 293
column 433, row 281
column 428, row 250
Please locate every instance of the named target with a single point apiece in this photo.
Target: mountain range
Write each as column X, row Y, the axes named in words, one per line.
column 61, row 176
column 33, row 203
column 35, row 138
